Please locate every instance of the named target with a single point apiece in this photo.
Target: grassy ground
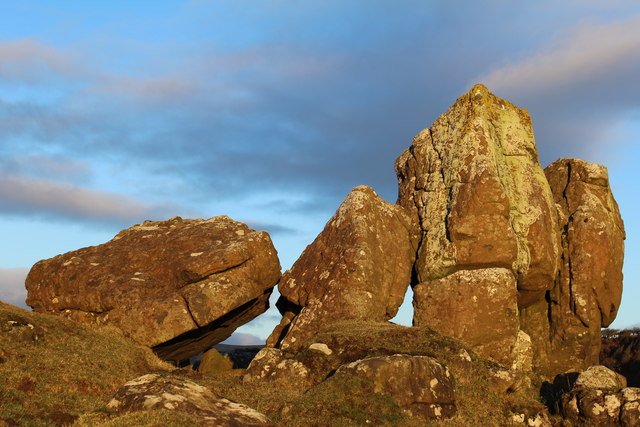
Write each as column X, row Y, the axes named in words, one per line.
column 54, row 369
column 57, row 372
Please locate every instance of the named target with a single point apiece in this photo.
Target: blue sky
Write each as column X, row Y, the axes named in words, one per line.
column 271, row 111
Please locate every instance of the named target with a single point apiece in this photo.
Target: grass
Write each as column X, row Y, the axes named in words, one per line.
column 70, row 372
column 55, row 369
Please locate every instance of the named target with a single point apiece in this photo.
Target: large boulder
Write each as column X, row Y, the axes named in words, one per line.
column 588, row 290
column 477, row 306
column 418, row 384
column 158, row 392
column 359, row 267
column 179, row 286
column 474, row 184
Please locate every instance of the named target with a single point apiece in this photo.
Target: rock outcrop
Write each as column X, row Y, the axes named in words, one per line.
column 588, row 289
column 474, row 184
column 154, row 391
column 359, row 267
column 419, row 384
column 178, row 286
column 596, row 396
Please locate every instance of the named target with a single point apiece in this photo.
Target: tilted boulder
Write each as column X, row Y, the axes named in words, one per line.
column 359, row 267
column 178, row 286
column 474, row 184
column 588, row 290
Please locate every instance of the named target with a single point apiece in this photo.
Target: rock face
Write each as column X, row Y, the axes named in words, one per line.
column 359, row 267
column 419, row 384
column 588, row 289
column 474, row 184
column 179, row 286
column 478, row 306
column 270, row 364
column 597, row 396
column 154, row 391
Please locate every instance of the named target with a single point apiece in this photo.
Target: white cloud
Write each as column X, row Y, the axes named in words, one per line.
column 588, row 52
column 12, row 288
column 23, row 195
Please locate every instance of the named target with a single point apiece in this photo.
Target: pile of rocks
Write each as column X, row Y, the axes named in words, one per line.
column 524, row 265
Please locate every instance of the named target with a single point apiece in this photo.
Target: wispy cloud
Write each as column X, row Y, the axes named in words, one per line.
column 44, row 198
column 586, row 53
column 579, row 87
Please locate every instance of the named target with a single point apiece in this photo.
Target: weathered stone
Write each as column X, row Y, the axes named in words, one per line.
column 179, row 286
column 321, row 348
column 359, row 267
column 212, row 361
column 477, row 306
column 522, row 353
column 601, row 407
column 270, row 364
column 418, row 384
column 474, row 183
column 600, row 377
column 630, row 411
column 588, row 289
column 154, row 391
column 505, row 380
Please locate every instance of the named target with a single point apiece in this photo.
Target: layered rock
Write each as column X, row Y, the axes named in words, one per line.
column 588, row 290
column 359, row 267
column 179, row 286
column 474, row 184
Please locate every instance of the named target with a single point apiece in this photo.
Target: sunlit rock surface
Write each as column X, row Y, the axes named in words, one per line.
column 179, row 286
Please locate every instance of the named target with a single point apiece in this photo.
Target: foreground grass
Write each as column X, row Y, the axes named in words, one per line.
column 53, row 369
column 58, row 372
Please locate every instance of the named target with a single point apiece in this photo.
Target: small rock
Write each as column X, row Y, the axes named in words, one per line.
column 154, row 391
column 212, row 361
column 271, row 365
column 600, row 377
column 321, row 348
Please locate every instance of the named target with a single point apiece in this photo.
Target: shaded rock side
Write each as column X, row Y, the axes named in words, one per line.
column 359, row 267
column 418, row 384
column 588, row 290
column 179, row 286
column 474, row 184
column 154, row 391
